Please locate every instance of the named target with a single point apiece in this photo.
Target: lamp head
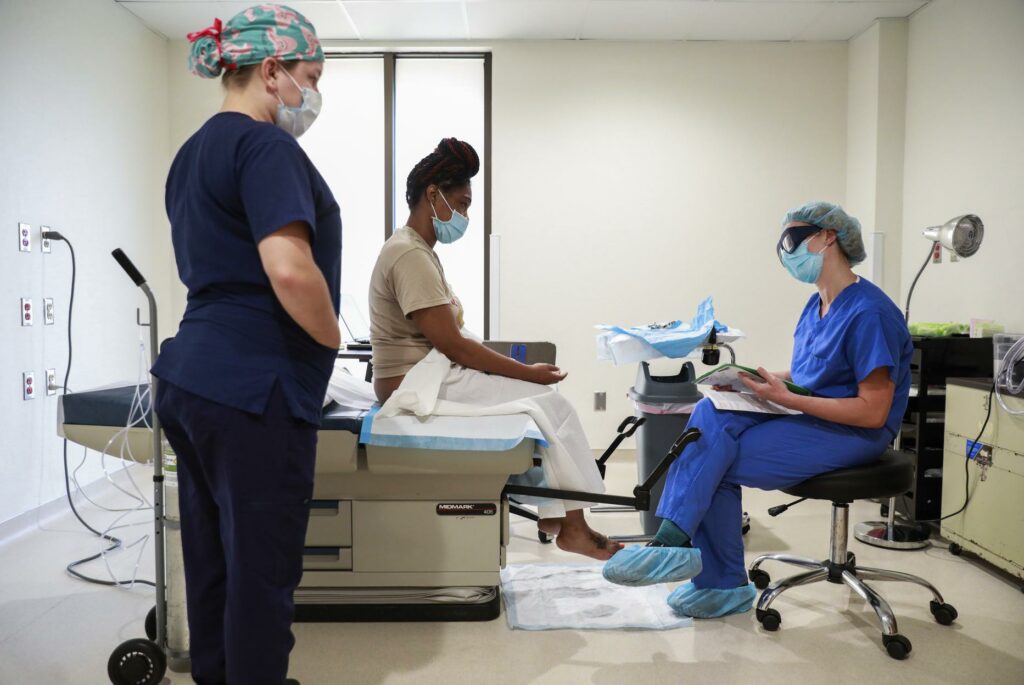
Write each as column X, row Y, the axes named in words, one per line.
column 961, row 234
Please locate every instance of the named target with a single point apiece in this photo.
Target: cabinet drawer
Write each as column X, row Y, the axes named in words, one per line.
column 966, row 415
column 327, row 558
column 330, row 524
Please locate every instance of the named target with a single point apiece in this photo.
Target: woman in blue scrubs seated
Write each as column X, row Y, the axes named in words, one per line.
column 852, row 349
column 257, row 240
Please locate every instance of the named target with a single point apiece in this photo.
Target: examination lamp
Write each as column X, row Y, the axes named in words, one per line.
column 962, row 236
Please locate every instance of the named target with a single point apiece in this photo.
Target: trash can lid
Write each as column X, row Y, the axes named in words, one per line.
column 677, row 389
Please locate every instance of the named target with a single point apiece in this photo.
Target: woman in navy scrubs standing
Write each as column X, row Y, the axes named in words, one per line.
column 257, row 241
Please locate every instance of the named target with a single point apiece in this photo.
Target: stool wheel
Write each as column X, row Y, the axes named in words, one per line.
column 544, row 537
column 137, row 662
column 955, row 549
column 770, row 619
column 759, row 578
column 944, row 614
column 151, row 624
column 897, row 646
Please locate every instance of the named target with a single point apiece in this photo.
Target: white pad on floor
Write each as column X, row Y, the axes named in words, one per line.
column 577, row 597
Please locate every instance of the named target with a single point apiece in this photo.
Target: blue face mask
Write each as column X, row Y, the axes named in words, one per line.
column 451, row 230
column 803, row 264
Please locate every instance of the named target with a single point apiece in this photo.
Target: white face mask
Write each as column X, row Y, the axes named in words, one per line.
column 297, row 120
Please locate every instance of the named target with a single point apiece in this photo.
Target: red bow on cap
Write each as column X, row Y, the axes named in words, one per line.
column 213, row 31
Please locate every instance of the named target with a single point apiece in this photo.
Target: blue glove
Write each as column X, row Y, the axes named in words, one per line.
column 639, row 565
column 688, row 600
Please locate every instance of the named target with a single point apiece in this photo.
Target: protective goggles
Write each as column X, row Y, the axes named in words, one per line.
column 793, row 236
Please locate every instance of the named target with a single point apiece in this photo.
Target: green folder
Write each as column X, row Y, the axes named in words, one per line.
column 728, row 375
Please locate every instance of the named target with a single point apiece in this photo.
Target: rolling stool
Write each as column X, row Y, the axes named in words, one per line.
column 891, row 475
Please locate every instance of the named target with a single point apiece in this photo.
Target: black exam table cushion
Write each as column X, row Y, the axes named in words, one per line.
column 110, row 407
column 107, row 407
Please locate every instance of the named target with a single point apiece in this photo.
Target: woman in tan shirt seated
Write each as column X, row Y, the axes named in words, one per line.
column 413, row 310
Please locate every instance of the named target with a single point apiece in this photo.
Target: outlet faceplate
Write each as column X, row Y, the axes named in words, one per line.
column 24, row 238
column 28, row 383
column 51, row 381
column 44, row 243
column 26, row 311
column 48, row 311
column 600, row 401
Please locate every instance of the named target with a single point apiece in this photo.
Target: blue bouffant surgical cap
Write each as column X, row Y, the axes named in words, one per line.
column 829, row 215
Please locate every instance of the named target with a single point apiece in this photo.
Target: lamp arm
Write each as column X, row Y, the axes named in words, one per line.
column 931, row 249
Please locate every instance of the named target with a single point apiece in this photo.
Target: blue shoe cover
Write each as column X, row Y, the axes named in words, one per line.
column 687, row 600
column 639, row 565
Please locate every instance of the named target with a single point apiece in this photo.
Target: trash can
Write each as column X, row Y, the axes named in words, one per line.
column 666, row 403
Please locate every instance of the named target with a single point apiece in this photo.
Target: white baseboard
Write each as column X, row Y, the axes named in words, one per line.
column 31, row 520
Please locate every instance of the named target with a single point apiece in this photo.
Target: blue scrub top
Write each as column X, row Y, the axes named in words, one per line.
column 863, row 330
column 233, row 183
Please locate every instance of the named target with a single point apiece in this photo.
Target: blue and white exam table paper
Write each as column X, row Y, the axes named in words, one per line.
column 675, row 339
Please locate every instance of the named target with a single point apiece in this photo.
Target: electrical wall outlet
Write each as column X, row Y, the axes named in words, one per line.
column 44, row 243
column 24, row 238
column 51, row 381
column 48, row 311
column 28, row 381
column 26, row 311
column 600, row 401
column 937, row 254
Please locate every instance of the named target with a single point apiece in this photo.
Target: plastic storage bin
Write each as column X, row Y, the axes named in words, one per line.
column 1001, row 344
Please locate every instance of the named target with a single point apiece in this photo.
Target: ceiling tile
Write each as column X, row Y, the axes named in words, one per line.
column 525, row 19
column 698, row 20
column 844, row 20
column 176, row 18
column 407, row 19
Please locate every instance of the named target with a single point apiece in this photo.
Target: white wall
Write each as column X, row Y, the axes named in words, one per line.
column 84, row 144
column 633, row 180
column 964, row 146
column 875, row 133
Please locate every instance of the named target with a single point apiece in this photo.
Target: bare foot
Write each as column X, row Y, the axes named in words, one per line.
column 550, row 526
column 586, row 541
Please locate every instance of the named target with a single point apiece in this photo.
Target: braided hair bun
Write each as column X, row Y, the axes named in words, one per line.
column 452, row 163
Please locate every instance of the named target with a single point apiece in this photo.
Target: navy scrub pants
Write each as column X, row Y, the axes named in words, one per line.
column 766, row 451
column 245, row 483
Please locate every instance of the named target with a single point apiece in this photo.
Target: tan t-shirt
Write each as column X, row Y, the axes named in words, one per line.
column 407, row 277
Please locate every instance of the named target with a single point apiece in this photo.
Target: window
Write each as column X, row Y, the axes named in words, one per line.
column 424, row 98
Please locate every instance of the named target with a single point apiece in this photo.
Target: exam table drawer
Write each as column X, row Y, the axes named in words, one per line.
column 330, row 524
column 337, row 452
column 326, row 558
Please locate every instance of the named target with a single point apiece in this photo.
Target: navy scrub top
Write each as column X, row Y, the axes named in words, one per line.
column 233, row 183
column 863, row 330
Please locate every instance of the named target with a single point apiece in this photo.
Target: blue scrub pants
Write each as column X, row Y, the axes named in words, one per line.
column 765, row 451
column 245, row 483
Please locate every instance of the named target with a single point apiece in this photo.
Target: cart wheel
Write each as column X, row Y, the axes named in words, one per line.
column 883, row 509
column 151, row 624
column 137, row 662
column 955, row 549
column 944, row 614
column 544, row 537
column 759, row 578
column 770, row 619
column 897, row 646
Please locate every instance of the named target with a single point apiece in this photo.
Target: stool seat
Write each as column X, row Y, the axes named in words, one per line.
column 891, row 475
